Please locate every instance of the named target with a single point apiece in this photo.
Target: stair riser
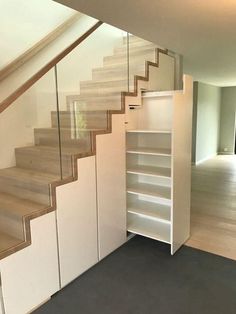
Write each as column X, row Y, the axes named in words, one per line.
column 134, row 48
column 26, row 190
column 50, row 138
column 119, row 59
column 49, row 163
column 134, row 40
column 90, row 121
column 95, row 89
column 11, row 225
column 99, row 103
column 114, row 74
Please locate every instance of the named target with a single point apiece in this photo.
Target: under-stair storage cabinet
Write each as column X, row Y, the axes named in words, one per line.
column 159, row 166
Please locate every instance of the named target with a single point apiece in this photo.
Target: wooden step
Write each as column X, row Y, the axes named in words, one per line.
column 7, row 241
column 27, row 184
column 68, row 137
column 12, row 211
column 134, row 40
column 90, row 119
column 135, row 47
column 118, row 72
column 100, row 88
column 139, row 57
column 98, row 102
column 45, row 159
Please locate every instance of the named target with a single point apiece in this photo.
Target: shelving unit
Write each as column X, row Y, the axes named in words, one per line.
column 158, row 167
column 149, row 182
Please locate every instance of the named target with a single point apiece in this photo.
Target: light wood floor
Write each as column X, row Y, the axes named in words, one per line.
column 213, row 206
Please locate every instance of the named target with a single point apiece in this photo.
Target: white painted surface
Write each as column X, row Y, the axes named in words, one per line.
column 150, row 228
column 182, row 26
column 33, row 108
column 111, row 195
column 30, row 276
column 1, row 302
column 228, row 120
column 24, row 23
column 77, row 222
column 206, row 121
column 162, row 78
column 156, row 112
column 172, row 112
column 78, row 65
column 181, row 164
column 21, row 75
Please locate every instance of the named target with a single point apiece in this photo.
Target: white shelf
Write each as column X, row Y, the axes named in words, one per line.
column 149, row 131
column 149, row 228
column 149, row 171
column 158, row 191
column 149, row 151
column 150, row 94
column 150, row 210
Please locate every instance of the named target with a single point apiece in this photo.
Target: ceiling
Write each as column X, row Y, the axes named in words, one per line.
column 203, row 31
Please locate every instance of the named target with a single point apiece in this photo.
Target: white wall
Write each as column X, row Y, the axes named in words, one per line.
column 33, row 108
column 207, row 115
column 30, row 276
column 22, row 74
column 24, row 23
column 78, row 65
column 227, row 122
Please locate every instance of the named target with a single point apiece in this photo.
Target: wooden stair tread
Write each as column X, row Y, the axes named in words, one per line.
column 50, row 149
column 21, row 174
column 7, row 241
column 16, row 206
column 85, row 112
column 107, row 82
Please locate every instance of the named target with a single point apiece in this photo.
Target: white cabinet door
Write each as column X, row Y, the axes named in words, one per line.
column 77, row 222
column 30, row 276
column 111, row 187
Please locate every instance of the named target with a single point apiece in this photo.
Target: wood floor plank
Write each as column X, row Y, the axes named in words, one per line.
column 213, row 206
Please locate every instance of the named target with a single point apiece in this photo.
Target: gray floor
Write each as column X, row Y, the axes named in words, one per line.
column 142, row 278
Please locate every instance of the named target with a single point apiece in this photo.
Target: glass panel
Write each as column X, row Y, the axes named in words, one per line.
column 91, row 80
column 140, row 51
column 30, row 160
column 166, row 72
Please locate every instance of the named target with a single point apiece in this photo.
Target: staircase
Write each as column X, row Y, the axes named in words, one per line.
column 28, row 190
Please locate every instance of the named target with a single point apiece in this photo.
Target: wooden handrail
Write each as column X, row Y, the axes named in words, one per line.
column 28, row 54
column 24, row 87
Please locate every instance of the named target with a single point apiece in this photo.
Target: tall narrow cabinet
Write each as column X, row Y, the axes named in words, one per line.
column 158, row 150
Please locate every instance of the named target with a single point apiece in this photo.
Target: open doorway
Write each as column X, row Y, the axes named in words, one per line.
column 213, row 190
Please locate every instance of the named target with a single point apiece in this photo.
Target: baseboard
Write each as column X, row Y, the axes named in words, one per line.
column 205, row 159
column 226, row 153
